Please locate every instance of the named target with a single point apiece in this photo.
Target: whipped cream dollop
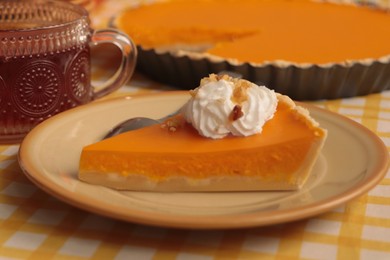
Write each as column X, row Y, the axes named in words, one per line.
column 223, row 105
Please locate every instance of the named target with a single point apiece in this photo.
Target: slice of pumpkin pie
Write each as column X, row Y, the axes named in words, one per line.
column 231, row 135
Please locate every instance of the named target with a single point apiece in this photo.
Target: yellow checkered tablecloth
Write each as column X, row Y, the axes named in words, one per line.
column 34, row 225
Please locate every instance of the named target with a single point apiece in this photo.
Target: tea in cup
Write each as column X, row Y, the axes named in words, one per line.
column 45, row 65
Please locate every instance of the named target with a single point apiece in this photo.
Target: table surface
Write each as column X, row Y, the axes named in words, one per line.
column 34, row 225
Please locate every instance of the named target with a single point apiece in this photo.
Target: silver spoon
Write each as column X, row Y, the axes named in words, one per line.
column 137, row 123
column 140, row 122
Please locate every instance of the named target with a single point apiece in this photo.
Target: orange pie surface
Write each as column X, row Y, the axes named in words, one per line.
column 159, row 158
column 299, row 31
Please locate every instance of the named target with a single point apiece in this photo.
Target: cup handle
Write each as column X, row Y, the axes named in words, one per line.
column 128, row 62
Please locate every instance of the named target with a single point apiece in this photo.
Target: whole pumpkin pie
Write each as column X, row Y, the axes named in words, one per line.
column 257, row 31
column 304, row 49
column 232, row 135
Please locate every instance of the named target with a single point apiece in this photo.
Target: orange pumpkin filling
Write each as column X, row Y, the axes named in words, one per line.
column 160, row 153
column 299, row 31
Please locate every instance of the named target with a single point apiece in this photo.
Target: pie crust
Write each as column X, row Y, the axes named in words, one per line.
column 182, row 65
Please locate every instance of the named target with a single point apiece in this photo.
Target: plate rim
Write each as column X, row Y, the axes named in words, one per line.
column 231, row 221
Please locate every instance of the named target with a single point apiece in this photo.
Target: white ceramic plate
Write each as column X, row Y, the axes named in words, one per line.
column 352, row 162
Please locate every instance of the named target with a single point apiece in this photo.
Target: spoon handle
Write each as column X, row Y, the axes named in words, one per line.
column 137, row 123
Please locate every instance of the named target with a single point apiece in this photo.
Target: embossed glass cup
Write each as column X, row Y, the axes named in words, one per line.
column 45, row 65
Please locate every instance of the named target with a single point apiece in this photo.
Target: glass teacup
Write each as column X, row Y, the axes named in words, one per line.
column 45, row 65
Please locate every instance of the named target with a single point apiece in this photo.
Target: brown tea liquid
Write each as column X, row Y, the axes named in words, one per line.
column 36, row 87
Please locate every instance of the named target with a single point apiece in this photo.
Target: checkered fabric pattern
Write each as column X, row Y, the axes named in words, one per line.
column 34, row 225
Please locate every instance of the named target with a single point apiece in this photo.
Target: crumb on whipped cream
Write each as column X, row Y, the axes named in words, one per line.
column 223, row 105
